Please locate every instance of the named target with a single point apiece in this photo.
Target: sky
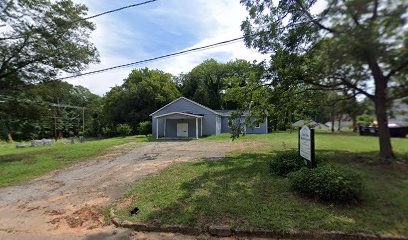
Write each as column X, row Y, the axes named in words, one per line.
column 160, row 28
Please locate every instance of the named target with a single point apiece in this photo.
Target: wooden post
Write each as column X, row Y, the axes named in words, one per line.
column 55, row 123
column 164, row 127
column 197, row 128
column 201, row 127
column 312, row 146
column 157, row 128
column 299, row 141
column 83, row 121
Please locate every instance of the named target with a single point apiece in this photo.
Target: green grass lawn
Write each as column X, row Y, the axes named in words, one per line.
column 241, row 192
column 20, row 164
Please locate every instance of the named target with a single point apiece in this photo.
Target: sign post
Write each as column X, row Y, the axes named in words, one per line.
column 307, row 145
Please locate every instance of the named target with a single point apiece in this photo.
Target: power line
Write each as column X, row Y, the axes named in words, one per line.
column 156, row 58
column 5, row 98
column 119, row 9
column 160, row 57
column 96, row 15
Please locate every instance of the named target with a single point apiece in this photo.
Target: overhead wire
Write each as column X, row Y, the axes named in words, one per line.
column 218, row 44
column 118, row 9
column 222, row 43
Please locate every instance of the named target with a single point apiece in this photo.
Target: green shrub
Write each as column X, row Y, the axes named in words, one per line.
column 365, row 120
column 145, row 128
column 327, row 183
column 124, row 129
column 286, row 162
column 107, row 132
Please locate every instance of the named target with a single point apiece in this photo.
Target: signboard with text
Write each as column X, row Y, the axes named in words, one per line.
column 307, row 145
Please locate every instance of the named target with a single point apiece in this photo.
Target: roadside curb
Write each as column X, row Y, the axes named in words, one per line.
column 227, row 231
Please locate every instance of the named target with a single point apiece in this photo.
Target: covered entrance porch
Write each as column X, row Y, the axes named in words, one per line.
column 178, row 125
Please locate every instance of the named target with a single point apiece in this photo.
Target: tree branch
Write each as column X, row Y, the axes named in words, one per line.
column 305, row 11
column 375, row 11
column 354, row 86
column 395, row 70
column 15, row 53
column 354, row 17
column 10, row 38
column 345, row 82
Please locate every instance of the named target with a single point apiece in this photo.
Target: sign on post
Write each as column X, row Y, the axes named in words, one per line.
column 307, row 145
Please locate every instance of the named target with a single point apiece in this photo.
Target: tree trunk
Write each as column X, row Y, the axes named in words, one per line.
column 354, row 111
column 9, row 137
column 333, row 119
column 386, row 152
column 380, row 101
column 339, row 121
column 354, row 120
column 9, row 132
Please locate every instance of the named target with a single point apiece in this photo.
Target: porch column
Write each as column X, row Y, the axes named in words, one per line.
column 201, row 127
column 197, row 128
column 157, row 128
column 164, row 131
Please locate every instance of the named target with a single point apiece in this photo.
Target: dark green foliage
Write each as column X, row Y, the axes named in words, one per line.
column 365, row 120
column 51, row 37
column 38, row 40
column 286, row 162
column 108, row 132
column 143, row 92
column 327, row 183
column 349, row 47
column 209, row 82
column 145, row 128
column 37, row 118
column 124, row 129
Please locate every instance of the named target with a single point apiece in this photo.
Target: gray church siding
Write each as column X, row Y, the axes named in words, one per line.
column 224, row 125
column 263, row 127
column 213, row 122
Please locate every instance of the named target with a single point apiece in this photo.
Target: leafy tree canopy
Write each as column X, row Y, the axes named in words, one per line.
column 40, row 38
column 343, row 48
column 143, row 92
column 208, row 82
column 42, row 111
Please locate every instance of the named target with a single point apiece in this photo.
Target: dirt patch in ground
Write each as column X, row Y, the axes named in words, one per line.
column 87, row 217
column 64, row 204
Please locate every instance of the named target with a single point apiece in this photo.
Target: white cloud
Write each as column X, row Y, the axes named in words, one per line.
column 120, row 41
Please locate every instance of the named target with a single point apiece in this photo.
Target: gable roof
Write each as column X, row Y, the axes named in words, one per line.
column 180, row 113
column 227, row 113
column 184, row 98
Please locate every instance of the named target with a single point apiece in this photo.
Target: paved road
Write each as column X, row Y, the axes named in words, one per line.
column 62, row 204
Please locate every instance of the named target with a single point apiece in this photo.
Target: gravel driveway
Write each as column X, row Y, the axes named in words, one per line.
column 64, row 203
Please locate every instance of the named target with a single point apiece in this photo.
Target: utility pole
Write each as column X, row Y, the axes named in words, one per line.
column 60, row 105
column 83, row 120
column 55, row 122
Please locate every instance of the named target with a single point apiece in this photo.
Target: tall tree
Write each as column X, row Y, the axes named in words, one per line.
column 43, row 111
column 38, row 40
column 141, row 93
column 265, row 95
column 41, row 38
column 208, row 82
column 366, row 35
column 204, row 84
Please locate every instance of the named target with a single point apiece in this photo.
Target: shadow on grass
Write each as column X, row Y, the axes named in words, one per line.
column 241, row 192
column 229, row 189
column 16, row 157
column 336, row 133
